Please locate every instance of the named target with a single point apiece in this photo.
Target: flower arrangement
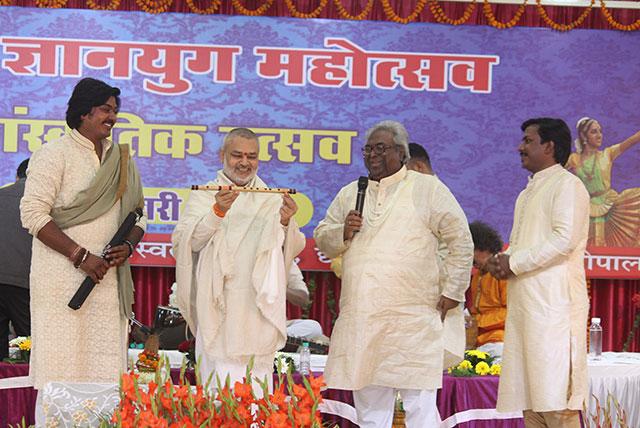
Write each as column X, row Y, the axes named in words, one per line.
column 476, row 363
column 163, row 404
column 636, row 323
column 23, row 345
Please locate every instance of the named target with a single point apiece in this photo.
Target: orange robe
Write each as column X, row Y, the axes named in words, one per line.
column 488, row 305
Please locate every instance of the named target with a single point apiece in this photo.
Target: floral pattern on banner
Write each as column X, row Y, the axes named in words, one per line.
column 78, row 405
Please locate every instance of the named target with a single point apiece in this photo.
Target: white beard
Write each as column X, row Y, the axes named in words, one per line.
column 233, row 177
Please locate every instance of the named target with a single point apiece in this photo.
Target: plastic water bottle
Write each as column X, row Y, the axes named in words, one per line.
column 305, row 359
column 595, row 339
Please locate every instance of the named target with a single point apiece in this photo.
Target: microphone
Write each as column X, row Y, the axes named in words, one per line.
column 363, row 182
column 87, row 285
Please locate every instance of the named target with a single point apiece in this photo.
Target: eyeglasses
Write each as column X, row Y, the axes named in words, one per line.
column 379, row 149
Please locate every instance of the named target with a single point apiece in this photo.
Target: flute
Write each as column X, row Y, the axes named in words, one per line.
column 243, row 189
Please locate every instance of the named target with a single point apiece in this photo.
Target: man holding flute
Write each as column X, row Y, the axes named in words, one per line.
column 78, row 191
column 233, row 251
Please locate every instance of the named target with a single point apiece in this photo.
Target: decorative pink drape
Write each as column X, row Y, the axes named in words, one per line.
column 152, row 288
column 611, row 301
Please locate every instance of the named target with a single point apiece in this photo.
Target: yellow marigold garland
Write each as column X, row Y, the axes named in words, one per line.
column 215, row 4
column 51, row 4
column 154, row 6
column 257, row 12
column 442, row 17
column 493, row 21
column 346, row 15
column 392, row 16
column 563, row 27
column 294, row 12
column 113, row 5
column 5, row 2
column 615, row 24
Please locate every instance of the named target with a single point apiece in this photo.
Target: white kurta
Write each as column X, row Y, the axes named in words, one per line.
column 389, row 332
column 232, row 274
column 88, row 344
column 544, row 360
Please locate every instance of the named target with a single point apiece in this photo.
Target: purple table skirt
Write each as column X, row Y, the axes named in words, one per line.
column 479, row 392
column 18, row 402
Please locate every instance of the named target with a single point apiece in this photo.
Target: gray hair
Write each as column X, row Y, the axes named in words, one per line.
column 238, row 132
column 400, row 135
column 582, row 126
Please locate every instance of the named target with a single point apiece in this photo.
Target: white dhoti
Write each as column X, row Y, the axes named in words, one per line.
column 375, row 406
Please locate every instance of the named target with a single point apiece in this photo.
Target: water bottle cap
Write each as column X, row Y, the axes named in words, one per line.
column 595, row 320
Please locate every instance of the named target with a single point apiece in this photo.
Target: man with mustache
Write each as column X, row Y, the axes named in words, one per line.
column 233, row 252
column 544, row 369
column 78, row 191
column 388, row 337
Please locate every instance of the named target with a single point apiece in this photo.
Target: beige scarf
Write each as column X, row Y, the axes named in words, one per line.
column 117, row 179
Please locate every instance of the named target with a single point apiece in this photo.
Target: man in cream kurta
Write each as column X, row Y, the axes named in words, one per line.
column 388, row 336
column 88, row 344
column 233, row 252
column 544, row 362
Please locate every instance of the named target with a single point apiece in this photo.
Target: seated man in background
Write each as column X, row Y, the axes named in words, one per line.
column 488, row 302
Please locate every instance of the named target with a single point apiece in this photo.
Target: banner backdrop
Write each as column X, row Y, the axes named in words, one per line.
column 310, row 89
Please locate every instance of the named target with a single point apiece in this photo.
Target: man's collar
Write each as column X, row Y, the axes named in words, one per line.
column 394, row 178
column 547, row 172
column 86, row 143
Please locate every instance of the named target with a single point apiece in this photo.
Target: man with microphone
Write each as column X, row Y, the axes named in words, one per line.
column 388, row 336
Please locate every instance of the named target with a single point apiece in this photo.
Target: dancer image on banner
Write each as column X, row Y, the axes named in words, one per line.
column 614, row 217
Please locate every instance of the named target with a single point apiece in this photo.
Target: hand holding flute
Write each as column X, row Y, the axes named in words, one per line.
column 226, row 195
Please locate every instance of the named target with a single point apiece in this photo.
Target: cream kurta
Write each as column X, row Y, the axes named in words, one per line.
column 544, row 359
column 231, row 273
column 389, row 332
column 88, row 344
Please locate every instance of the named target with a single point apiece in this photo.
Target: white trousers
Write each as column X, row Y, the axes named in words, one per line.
column 375, row 405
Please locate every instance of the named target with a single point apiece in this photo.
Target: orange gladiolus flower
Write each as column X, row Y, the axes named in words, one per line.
column 304, row 399
column 316, row 384
column 279, row 398
column 244, row 413
column 243, row 391
column 128, row 386
column 278, row 420
column 302, row 418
